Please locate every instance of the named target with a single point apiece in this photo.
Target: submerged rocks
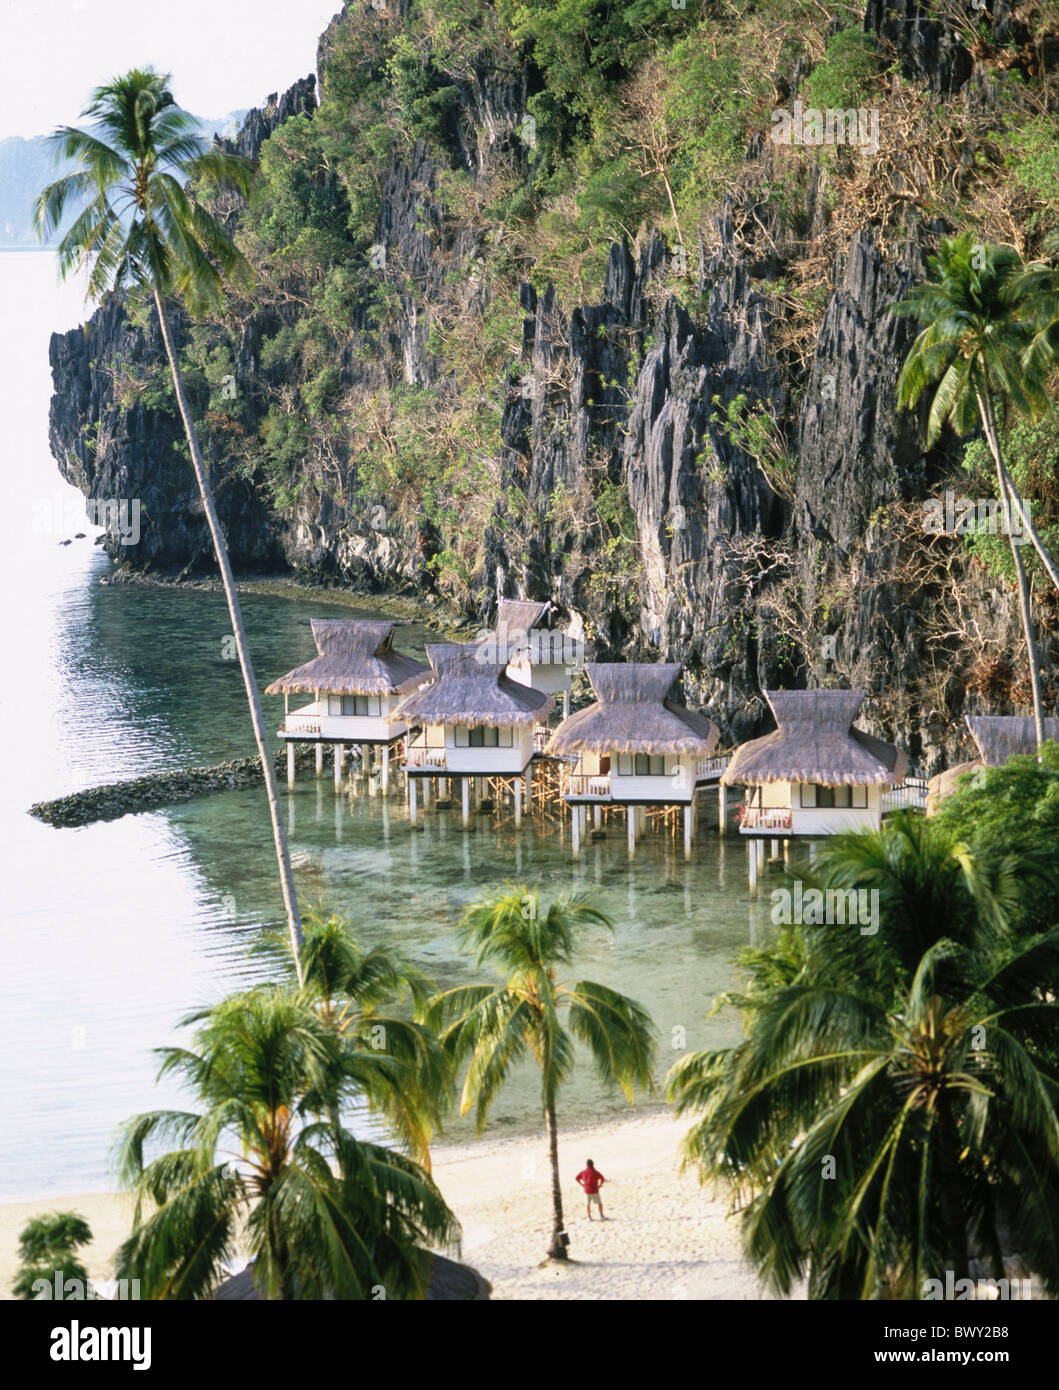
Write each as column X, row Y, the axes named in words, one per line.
column 159, row 789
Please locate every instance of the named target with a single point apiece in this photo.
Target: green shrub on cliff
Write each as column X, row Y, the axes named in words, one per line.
column 846, row 77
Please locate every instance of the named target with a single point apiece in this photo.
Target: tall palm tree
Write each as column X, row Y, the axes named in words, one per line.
column 355, row 992
column 979, row 313
column 492, row 1026
column 325, row 1214
column 891, row 1112
column 144, row 228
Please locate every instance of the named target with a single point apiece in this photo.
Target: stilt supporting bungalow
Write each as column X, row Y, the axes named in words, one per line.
column 340, row 758
column 290, row 764
column 319, row 758
column 635, row 748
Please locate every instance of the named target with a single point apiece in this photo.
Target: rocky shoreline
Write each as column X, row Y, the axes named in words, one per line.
column 117, row 799
column 424, row 608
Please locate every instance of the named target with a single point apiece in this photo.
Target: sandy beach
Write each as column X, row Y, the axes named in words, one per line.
column 665, row 1236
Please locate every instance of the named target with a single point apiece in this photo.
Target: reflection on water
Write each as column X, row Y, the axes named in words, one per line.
column 677, row 924
column 113, row 931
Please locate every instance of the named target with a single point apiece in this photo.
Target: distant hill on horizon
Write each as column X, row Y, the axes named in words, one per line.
column 27, row 165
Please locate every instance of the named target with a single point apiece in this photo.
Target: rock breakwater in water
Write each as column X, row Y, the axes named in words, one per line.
column 159, row 789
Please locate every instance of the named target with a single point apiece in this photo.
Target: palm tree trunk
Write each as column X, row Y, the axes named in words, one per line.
column 985, row 410
column 1031, row 530
column 955, row 1226
column 557, row 1249
column 257, row 718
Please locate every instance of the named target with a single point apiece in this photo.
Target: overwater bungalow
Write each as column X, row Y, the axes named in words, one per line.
column 634, row 747
column 997, row 738
column 356, row 682
column 815, row 774
column 471, row 720
column 532, row 652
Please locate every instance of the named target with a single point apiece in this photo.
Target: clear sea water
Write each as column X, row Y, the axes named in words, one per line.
column 112, row 932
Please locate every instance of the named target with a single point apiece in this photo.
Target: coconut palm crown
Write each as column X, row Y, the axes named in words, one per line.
column 141, row 225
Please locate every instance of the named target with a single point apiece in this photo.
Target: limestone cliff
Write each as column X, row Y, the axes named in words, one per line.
column 622, row 487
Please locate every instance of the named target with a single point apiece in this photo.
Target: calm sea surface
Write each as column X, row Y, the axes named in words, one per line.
column 113, row 931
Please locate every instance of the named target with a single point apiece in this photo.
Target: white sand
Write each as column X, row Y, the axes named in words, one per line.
column 665, row 1236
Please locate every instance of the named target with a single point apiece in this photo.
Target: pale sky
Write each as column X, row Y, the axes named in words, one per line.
column 223, row 54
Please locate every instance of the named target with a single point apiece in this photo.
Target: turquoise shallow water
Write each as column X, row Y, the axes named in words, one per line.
column 111, row 932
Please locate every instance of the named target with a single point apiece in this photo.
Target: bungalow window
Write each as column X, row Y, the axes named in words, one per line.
column 649, row 766
column 859, row 798
column 482, row 737
column 363, row 705
column 830, row 798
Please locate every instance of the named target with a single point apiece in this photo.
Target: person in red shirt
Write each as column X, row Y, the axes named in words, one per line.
column 590, row 1179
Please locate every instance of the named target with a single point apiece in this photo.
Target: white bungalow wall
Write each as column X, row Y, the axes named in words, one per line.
column 354, row 728
column 831, row 820
column 550, row 680
column 675, row 785
column 819, row 820
column 511, row 756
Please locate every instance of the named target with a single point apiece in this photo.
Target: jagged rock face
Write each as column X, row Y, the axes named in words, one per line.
column 626, row 398
column 856, row 451
column 115, row 451
column 932, row 46
column 929, row 48
column 260, row 122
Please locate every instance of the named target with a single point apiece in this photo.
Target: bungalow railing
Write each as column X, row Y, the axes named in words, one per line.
column 300, row 724
column 711, row 767
column 582, row 784
column 766, row 818
column 425, row 757
column 911, row 792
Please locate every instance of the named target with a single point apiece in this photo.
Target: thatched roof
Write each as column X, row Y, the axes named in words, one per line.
column 467, row 690
column 632, row 715
column 449, row 1282
column 815, row 742
column 943, row 784
column 517, row 616
column 1001, row 736
column 356, row 658
column 997, row 737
